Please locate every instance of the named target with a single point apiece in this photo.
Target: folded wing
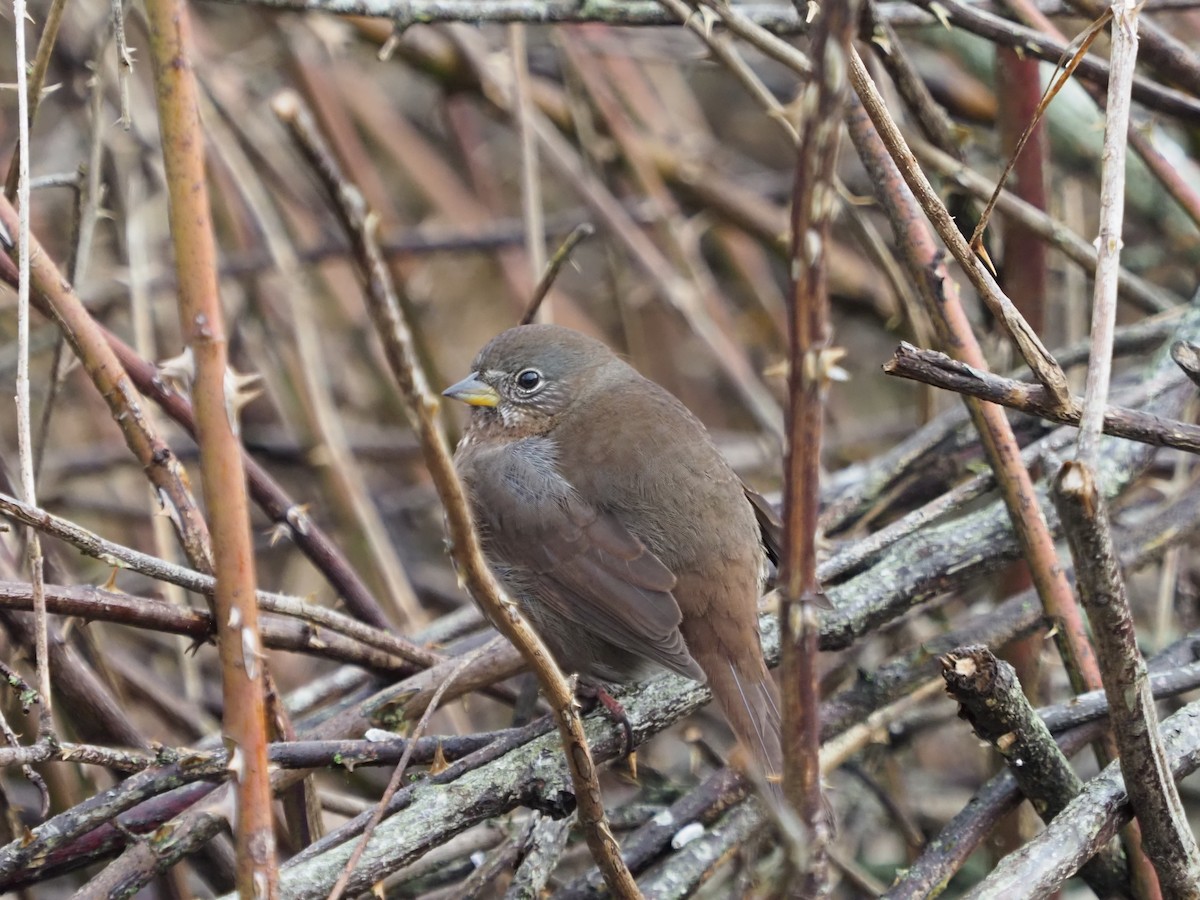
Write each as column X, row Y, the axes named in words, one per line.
column 586, row 565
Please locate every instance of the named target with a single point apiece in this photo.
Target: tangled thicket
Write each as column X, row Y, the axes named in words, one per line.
column 672, row 128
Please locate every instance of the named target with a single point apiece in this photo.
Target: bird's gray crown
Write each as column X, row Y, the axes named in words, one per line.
column 555, row 350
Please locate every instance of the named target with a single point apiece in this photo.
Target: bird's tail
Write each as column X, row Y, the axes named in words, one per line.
column 749, row 698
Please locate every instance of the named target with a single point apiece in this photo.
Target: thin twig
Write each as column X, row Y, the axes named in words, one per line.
column 124, row 61
column 931, row 116
column 939, row 370
column 1133, row 288
column 422, row 407
column 722, row 48
column 532, row 207
column 1172, row 60
column 1112, row 215
column 578, row 235
column 30, row 86
column 137, row 240
column 46, row 741
column 343, row 879
column 91, row 183
column 1032, row 126
column 735, row 18
column 1162, row 168
column 20, row 175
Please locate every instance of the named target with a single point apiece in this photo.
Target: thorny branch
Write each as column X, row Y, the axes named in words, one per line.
column 686, row 193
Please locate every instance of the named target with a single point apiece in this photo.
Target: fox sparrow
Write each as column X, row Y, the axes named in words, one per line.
column 611, row 518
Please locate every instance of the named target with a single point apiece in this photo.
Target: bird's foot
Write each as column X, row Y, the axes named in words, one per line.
column 591, row 694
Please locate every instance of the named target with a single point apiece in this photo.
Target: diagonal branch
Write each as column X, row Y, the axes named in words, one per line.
column 422, row 406
column 1167, row 834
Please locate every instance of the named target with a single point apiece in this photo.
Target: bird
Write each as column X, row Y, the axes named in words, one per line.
column 610, row 517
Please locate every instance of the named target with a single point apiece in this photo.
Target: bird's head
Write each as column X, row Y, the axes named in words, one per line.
column 529, row 375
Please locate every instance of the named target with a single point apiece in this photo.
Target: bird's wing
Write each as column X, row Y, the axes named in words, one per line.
column 586, row 566
column 769, row 524
column 771, row 530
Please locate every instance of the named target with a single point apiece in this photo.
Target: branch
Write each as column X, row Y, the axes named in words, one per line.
column 54, row 298
column 813, row 364
column 778, row 18
column 939, row 370
column 422, row 407
column 1168, row 837
column 202, row 323
column 1089, row 822
column 991, row 700
column 1112, row 220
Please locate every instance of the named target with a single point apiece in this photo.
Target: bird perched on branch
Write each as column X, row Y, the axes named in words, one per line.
column 612, row 520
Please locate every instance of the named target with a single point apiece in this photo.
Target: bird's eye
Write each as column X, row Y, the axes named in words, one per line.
column 529, row 379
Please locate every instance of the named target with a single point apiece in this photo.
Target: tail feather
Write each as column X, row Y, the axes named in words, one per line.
column 749, row 698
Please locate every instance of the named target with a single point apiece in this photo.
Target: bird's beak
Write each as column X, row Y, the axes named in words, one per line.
column 473, row 392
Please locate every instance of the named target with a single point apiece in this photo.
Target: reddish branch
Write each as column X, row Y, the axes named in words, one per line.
column 272, row 499
column 203, row 325
column 53, row 297
column 940, row 293
column 813, row 359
